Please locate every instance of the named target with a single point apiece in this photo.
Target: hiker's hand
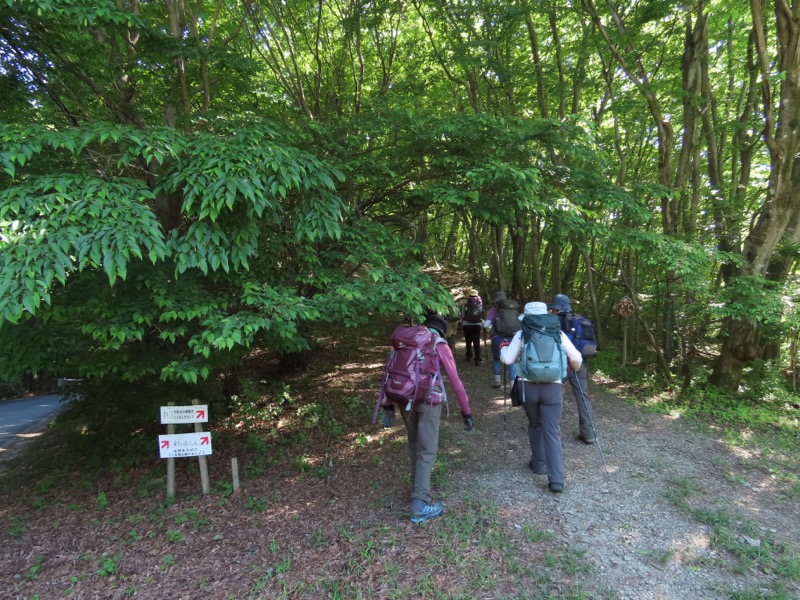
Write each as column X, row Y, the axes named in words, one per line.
column 387, row 417
column 468, row 422
column 487, row 324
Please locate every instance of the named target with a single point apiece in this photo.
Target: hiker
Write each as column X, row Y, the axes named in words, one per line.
column 541, row 396
column 453, row 319
column 471, row 321
column 503, row 322
column 578, row 378
column 422, row 418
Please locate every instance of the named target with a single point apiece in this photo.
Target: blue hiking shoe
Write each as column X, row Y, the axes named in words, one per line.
column 427, row 512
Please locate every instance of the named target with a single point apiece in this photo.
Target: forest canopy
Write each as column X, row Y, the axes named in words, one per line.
column 184, row 182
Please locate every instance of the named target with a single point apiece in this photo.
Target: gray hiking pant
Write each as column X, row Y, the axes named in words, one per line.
column 543, row 405
column 422, row 426
column 581, row 394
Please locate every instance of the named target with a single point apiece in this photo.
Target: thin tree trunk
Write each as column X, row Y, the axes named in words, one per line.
column 541, row 96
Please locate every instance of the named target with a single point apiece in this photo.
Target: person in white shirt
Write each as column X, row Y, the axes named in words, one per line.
column 542, row 400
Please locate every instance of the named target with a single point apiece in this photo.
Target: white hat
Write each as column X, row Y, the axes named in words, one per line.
column 534, row 308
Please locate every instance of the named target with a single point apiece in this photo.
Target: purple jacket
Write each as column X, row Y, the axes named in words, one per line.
column 448, row 364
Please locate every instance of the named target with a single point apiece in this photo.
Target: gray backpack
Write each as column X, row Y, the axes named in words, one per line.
column 506, row 322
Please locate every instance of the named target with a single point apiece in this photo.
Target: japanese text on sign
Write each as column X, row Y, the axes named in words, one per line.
column 181, row 445
column 184, row 414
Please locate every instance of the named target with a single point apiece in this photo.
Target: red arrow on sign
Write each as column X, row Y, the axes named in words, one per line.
column 201, row 414
column 204, row 440
column 165, row 444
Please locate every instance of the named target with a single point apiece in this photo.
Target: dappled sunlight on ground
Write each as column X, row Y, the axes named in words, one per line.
column 325, row 498
column 744, row 453
column 689, row 550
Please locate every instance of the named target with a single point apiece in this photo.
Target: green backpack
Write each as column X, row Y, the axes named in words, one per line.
column 543, row 358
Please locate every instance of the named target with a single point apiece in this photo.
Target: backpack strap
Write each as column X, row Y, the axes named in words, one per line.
column 438, row 374
column 416, row 380
column 382, row 388
column 381, row 395
column 565, row 321
column 567, row 327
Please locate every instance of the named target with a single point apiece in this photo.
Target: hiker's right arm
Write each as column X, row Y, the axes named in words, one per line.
column 510, row 352
column 449, row 364
column 574, row 357
column 490, row 317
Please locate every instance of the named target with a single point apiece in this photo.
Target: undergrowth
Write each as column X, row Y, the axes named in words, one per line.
column 763, row 415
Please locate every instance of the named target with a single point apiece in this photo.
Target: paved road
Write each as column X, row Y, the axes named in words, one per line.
column 25, row 418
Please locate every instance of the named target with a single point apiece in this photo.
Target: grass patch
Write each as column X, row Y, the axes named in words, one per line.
column 763, row 416
column 750, row 547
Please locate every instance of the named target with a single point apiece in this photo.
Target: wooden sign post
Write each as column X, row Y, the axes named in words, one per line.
column 179, row 445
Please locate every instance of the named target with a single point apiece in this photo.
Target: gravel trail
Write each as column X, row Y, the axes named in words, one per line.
column 633, row 522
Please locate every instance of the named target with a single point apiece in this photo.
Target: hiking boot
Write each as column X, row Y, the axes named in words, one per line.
column 556, row 488
column 478, row 362
column 588, row 440
column 537, row 470
column 427, row 512
column 497, row 385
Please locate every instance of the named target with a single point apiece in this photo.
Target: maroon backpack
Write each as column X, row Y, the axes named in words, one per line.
column 473, row 311
column 412, row 371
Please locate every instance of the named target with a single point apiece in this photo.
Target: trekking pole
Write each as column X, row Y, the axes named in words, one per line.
column 505, row 412
column 591, row 421
column 485, row 353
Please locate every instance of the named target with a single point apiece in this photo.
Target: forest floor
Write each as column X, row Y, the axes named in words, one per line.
column 323, row 508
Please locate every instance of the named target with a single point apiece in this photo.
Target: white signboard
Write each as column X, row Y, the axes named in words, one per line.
column 197, row 413
column 181, row 445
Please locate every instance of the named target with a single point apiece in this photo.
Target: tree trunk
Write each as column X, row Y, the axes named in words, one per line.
column 534, row 260
column 498, row 257
column 741, row 343
column 518, row 237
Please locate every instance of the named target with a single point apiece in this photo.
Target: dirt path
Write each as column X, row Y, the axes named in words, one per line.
column 635, row 523
column 679, row 514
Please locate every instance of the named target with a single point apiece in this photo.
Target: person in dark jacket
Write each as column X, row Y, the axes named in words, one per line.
column 472, row 326
column 578, row 380
column 498, row 339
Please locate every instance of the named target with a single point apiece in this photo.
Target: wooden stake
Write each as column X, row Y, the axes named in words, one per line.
column 235, row 473
column 170, row 466
column 201, row 460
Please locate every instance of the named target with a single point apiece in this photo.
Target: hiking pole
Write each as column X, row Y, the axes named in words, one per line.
column 505, row 413
column 485, row 354
column 591, row 421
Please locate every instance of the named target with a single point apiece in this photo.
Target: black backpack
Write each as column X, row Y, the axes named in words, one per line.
column 506, row 322
column 473, row 311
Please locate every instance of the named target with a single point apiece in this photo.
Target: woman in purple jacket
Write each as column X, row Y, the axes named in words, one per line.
column 422, row 426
